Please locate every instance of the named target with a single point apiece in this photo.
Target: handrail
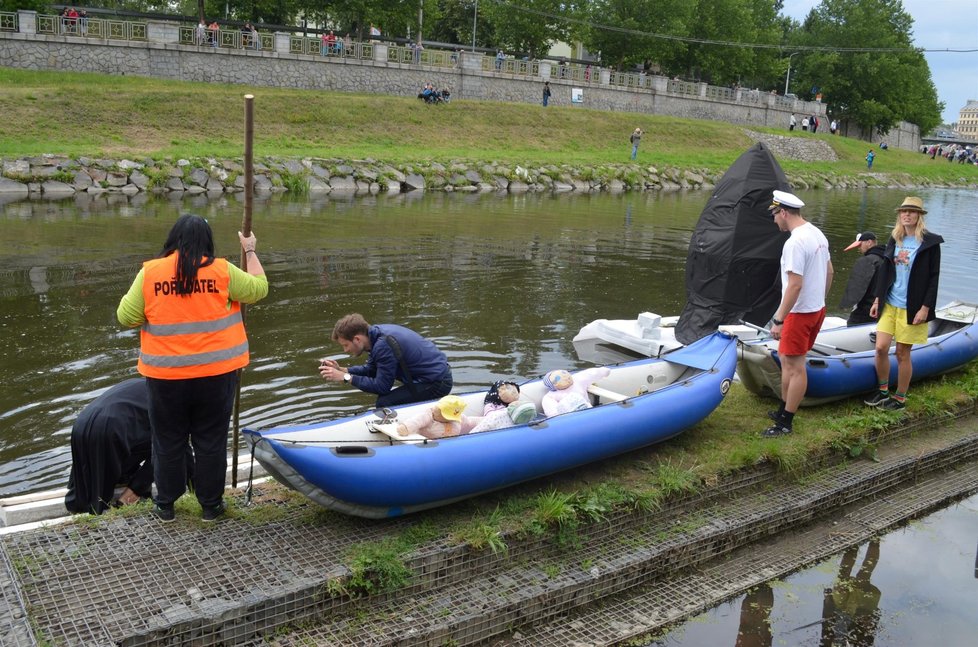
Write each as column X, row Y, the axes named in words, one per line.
column 88, row 27
column 8, row 21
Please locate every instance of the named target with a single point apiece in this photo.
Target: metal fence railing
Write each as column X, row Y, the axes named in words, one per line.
column 91, row 27
column 753, row 96
column 518, row 66
column 226, row 38
column 577, row 73
column 683, row 87
column 429, row 57
column 720, row 93
column 315, row 46
column 8, row 21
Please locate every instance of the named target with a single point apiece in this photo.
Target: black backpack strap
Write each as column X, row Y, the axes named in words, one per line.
column 399, row 354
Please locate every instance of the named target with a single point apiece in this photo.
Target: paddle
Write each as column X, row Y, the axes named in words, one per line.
column 246, row 230
column 818, row 343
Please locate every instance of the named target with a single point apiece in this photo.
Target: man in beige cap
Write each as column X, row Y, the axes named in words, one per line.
column 906, row 296
column 635, row 139
column 806, row 276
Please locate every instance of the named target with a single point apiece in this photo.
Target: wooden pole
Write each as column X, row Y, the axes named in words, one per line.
column 249, row 191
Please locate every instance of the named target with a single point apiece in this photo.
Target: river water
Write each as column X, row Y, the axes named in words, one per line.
column 501, row 283
column 916, row 585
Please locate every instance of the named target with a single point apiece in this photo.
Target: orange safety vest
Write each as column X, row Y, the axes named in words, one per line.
column 190, row 336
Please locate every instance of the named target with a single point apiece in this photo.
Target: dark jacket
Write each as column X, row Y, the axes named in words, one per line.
column 423, row 360
column 925, row 274
column 861, row 288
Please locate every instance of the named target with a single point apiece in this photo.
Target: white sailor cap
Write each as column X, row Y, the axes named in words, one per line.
column 785, row 199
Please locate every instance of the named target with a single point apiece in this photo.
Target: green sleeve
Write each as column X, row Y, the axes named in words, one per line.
column 245, row 287
column 131, row 307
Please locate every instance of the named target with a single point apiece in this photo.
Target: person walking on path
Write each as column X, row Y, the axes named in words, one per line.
column 905, row 299
column 191, row 344
column 635, row 139
column 870, row 156
column 806, row 276
column 791, row 122
column 546, row 93
column 393, row 353
column 861, row 287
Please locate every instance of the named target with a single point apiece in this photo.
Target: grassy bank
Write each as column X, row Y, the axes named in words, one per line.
column 111, row 116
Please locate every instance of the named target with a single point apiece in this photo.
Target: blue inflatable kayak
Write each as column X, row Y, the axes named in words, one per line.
column 842, row 364
column 348, row 466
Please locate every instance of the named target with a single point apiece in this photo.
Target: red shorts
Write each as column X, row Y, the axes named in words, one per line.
column 799, row 332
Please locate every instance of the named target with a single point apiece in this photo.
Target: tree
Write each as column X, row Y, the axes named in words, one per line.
column 529, row 28
column 875, row 90
column 738, row 21
column 636, row 25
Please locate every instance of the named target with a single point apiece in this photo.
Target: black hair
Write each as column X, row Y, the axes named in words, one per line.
column 191, row 237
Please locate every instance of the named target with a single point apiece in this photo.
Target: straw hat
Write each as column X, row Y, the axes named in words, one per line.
column 912, row 203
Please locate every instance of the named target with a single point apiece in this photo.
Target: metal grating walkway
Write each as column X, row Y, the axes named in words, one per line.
column 134, row 581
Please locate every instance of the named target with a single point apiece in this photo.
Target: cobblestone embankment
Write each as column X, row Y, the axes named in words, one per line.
column 53, row 176
column 283, row 581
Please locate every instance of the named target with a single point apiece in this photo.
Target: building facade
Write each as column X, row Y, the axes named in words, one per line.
column 968, row 121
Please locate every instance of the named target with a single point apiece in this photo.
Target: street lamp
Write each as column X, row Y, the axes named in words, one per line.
column 787, row 76
column 475, row 20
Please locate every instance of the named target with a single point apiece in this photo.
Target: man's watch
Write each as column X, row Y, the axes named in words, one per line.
column 347, row 378
column 777, row 322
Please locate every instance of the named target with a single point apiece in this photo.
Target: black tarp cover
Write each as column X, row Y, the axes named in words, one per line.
column 732, row 269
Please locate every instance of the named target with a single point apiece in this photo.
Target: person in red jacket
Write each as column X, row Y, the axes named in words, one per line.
column 187, row 302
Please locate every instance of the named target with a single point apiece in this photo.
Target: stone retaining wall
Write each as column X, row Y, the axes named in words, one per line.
column 280, row 68
column 56, row 176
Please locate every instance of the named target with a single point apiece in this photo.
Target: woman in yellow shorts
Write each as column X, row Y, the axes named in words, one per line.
column 907, row 289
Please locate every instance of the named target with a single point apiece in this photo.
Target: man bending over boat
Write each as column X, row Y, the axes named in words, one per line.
column 394, row 353
column 806, row 276
column 111, row 444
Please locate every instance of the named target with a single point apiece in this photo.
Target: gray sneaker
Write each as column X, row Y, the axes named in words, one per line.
column 214, row 512
column 893, row 405
column 164, row 513
column 877, row 399
column 775, row 430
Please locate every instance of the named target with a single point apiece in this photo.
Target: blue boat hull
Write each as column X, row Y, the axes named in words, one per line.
column 834, row 375
column 376, row 479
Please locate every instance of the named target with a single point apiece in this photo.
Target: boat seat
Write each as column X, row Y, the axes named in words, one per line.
column 390, row 430
column 603, row 393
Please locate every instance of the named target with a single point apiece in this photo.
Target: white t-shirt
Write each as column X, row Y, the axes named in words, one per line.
column 806, row 253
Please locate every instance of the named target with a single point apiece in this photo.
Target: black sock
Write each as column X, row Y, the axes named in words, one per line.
column 786, row 418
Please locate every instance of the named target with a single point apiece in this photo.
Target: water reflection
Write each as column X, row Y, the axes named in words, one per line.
column 755, row 617
column 850, row 607
column 502, row 283
column 850, row 612
column 916, row 585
